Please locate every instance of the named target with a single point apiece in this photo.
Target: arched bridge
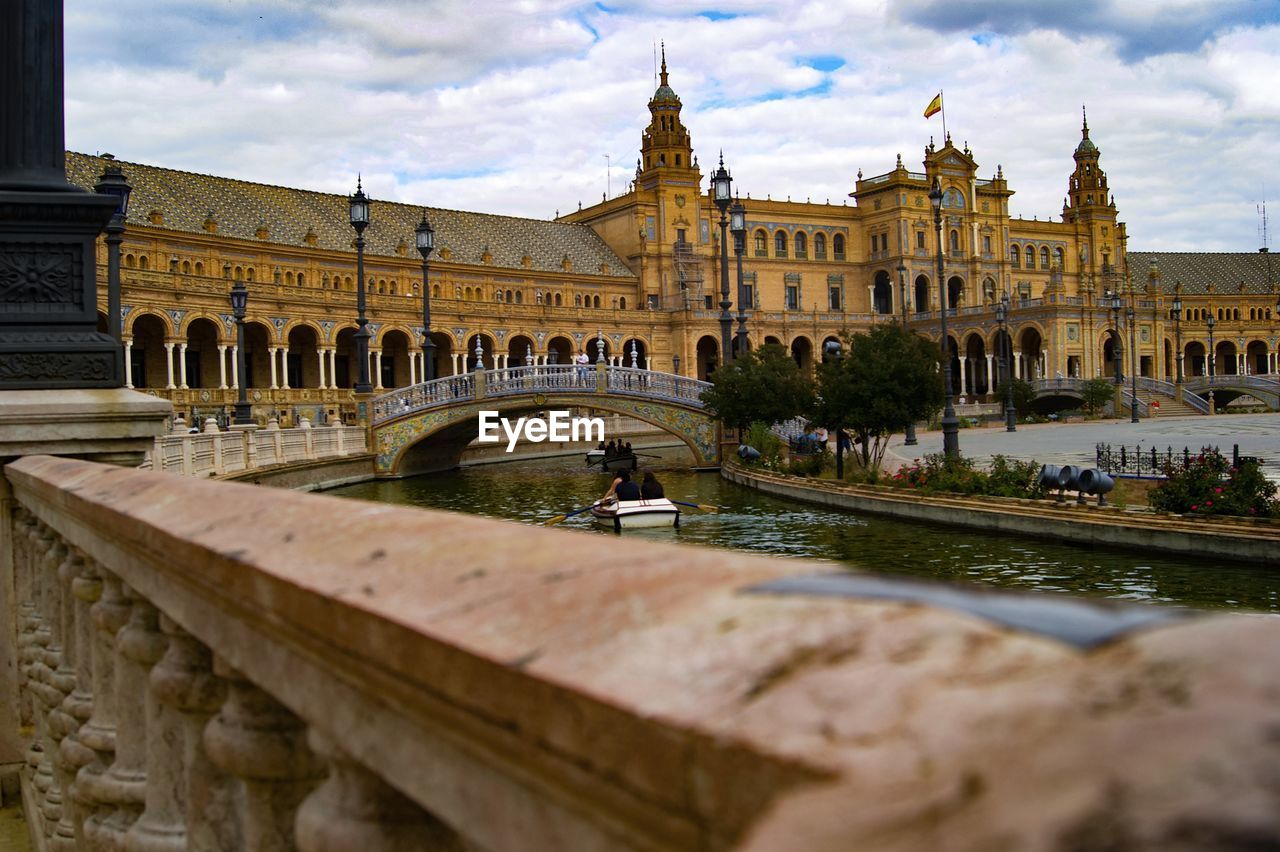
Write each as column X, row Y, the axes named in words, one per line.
column 428, row 425
column 1227, row 388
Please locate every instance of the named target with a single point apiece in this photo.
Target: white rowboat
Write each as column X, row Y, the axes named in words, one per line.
column 634, row 514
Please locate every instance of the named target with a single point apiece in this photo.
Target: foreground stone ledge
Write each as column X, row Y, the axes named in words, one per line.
column 548, row 689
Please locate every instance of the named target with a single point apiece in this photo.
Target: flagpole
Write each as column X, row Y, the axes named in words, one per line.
column 942, row 102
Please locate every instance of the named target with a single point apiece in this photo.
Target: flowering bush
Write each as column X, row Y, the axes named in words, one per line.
column 937, row 473
column 1210, row 486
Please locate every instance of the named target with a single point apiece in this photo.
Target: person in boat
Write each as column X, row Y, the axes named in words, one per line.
column 651, row 488
column 622, row 488
column 626, row 451
column 610, row 450
column 600, row 446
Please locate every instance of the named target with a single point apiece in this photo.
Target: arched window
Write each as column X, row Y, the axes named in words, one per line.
column 780, row 244
column 301, row 278
column 199, row 268
column 622, row 303
column 391, row 286
column 510, row 298
column 820, row 246
column 288, row 278
column 186, row 267
column 130, row 261
column 1015, row 255
column 837, row 246
column 1044, row 257
column 1060, row 258
column 143, row 263
column 955, row 240
column 762, row 244
column 1235, row 314
column 248, row 274
column 577, row 300
column 595, row 302
column 519, row 297
column 557, row 300
column 435, row 291
column 1031, row 257
column 802, row 245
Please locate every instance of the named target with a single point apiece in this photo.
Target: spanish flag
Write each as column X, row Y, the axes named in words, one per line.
column 934, row 106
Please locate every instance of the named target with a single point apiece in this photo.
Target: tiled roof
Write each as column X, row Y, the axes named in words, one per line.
column 240, row 208
column 1196, row 270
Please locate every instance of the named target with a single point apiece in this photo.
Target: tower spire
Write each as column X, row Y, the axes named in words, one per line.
column 664, row 64
column 1084, row 115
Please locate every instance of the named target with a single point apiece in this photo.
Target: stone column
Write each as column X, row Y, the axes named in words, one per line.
column 413, row 368
column 354, row 809
column 235, row 367
column 222, row 367
column 333, row 368
column 261, row 743
column 453, row 356
column 991, row 376
column 964, row 375
column 168, row 365
column 377, row 369
column 322, row 384
column 188, row 803
column 182, row 365
column 271, row 356
column 128, row 363
column 284, row 367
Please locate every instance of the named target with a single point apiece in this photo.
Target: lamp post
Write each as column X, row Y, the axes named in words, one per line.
column 1002, row 317
column 1112, row 301
column 909, row 436
column 426, row 241
column 239, row 306
column 1177, row 331
column 1133, row 367
column 950, row 425
column 1212, row 354
column 114, row 183
column 359, row 211
column 675, row 364
column 738, row 224
column 720, row 183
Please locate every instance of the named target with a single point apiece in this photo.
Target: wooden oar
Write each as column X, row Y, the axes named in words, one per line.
column 550, row 522
column 714, row 510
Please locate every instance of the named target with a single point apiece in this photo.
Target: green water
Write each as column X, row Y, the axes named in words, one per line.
column 531, row 492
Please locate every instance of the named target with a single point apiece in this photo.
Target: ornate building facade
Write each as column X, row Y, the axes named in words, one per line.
column 642, row 269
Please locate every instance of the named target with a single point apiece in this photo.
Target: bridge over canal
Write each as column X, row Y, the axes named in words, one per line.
column 426, row 427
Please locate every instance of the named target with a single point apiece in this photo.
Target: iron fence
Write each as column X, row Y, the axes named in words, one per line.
column 1152, row 461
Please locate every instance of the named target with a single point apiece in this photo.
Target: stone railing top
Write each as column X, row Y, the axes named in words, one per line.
column 564, row 698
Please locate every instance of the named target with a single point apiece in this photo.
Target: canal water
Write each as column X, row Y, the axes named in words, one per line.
column 533, row 491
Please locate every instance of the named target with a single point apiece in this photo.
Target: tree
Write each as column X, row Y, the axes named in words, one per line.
column 884, row 380
column 1024, row 396
column 1096, row 393
column 764, row 385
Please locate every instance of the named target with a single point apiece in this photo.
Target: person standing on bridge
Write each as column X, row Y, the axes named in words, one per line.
column 584, row 363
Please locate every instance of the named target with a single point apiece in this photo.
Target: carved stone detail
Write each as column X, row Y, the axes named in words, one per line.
column 34, row 274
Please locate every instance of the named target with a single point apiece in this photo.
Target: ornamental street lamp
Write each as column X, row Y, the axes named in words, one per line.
column 909, row 437
column 1212, row 354
column 114, row 183
column 950, row 425
column 359, row 214
column 1133, row 366
column 738, row 224
column 425, row 237
column 239, row 306
column 720, row 183
column 1177, row 328
column 1002, row 317
column 675, row 364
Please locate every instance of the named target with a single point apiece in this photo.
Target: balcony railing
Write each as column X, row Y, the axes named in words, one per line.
column 220, row 453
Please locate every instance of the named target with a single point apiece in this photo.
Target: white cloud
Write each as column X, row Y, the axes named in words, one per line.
column 509, row 107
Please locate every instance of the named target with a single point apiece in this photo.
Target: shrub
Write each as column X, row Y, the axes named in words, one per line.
column 939, row 474
column 1210, row 486
column 758, row 435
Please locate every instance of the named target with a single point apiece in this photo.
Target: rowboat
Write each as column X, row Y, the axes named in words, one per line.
column 612, row 463
column 633, row 514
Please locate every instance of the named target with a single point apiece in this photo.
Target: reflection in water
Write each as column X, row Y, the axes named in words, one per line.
column 534, row 491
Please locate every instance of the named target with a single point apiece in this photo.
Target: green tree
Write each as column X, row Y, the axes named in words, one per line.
column 1024, row 396
column 1096, row 393
column 886, row 379
column 764, row 385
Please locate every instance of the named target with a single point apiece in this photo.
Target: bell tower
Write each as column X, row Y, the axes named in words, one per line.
column 1088, row 185
column 665, row 143
column 1091, row 207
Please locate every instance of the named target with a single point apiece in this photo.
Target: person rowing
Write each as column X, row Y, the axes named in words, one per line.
column 622, row 488
column 651, row 488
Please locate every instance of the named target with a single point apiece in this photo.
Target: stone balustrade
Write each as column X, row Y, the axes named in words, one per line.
column 207, row 665
column 222, row 453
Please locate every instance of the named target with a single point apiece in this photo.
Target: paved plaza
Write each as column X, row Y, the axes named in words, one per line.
column 1075, row 443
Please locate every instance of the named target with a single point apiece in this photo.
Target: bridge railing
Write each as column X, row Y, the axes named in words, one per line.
column 543, row 378
column 218, row 453
column 1059, row 383
column 1259, row 382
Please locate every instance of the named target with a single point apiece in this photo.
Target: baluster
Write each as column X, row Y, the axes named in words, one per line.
column 261, row 743
column 61, row 723
column 109, row 614
column 355, row 809
column 188, row 803
column 46, row 654
column 73, row 753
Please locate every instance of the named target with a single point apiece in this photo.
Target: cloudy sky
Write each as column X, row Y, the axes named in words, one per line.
column 510, row 106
